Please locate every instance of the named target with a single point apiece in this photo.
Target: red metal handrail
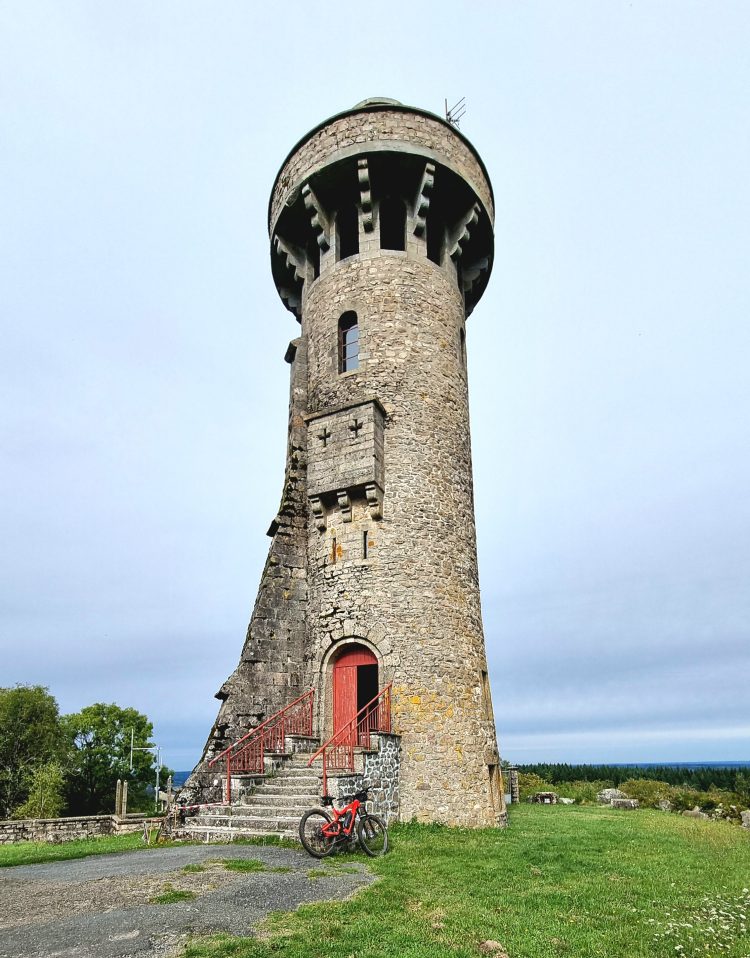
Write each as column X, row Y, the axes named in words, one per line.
column 247, row 754
column 338, row 751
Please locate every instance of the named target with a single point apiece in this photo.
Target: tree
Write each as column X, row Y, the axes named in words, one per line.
column 46, row 793
column 100, row 738
column 31, row 735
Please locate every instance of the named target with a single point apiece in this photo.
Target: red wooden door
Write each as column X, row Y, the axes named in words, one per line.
column 345, row 684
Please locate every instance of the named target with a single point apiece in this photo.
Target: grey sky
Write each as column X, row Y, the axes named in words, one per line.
column 143, row 415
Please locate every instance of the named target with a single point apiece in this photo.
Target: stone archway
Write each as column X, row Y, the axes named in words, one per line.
column 351, row 674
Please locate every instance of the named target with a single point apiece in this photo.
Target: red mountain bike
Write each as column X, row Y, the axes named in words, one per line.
column 322, row 832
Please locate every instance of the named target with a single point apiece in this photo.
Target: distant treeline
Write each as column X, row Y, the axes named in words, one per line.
column 732, row 779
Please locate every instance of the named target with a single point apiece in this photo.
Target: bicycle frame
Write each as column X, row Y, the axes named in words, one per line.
column 336, row 829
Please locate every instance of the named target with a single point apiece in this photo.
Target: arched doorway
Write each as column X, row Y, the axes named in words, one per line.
column 355, row 683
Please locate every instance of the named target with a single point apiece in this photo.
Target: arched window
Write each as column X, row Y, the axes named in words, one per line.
column 348, row 342
column 347, row 231
column 392, row 223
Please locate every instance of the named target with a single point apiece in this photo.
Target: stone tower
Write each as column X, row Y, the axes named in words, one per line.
column 381, row 228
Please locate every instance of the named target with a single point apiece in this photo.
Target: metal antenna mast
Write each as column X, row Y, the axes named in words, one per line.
column 456, row 112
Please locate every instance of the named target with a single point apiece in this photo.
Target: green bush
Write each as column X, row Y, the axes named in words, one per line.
column 528, row 783
column 648, row 792
column 45, row 793
column 685, row 799
column 583, row 792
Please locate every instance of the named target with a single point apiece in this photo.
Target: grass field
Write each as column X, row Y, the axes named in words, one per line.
column 31, row 853
column 561, row 881
column 34, row 853
column 576, row 881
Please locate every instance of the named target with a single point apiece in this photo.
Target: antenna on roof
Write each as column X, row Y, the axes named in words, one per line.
column 453, row 116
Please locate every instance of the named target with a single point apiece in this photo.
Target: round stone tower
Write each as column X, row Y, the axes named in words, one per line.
column 381, row 227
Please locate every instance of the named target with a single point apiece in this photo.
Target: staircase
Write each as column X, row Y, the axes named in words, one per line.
column 268, row 783
column 273, row 807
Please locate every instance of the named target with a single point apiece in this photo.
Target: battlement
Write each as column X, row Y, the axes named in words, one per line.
column 381, row 179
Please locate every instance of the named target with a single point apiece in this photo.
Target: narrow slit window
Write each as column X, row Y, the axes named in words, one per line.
column 462, row 346
column 392, row 223
column 348, row 342
column 334, row 546
column 347, row 231
column 364, row 544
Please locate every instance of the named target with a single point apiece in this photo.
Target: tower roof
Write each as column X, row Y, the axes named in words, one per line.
column 375, row 104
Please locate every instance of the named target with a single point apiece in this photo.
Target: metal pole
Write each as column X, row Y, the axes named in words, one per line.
column 158, row 773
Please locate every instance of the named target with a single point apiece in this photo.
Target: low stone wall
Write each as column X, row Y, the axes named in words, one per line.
column 380, row 776
column 57, row 830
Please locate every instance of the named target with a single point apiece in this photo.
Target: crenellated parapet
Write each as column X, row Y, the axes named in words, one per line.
column 379, row 179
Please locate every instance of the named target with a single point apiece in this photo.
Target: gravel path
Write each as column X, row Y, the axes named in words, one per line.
column 99, row 907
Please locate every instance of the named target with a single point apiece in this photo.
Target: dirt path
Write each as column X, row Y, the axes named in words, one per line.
column 102, row 906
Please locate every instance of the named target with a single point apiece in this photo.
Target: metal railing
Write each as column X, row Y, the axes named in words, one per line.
column 338, row 751
column 247, row 754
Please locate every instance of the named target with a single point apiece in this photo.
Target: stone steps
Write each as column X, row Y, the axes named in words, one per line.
column 239, row 825
column 262, row 807
column 311, row 782
column 262, row 797
column 214, row 833
column 289, row 789
column 273, row 807
column 287, row 810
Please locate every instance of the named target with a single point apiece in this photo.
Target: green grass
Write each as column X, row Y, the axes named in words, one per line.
column 31, row 853
column 338, row 867
column 171, row 895
column 192, row 868
column 274, row 840
column 243, row 865
column 253, row 865
column 582, row 882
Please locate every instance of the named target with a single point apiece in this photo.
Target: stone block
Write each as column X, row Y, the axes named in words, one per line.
column 607, row 794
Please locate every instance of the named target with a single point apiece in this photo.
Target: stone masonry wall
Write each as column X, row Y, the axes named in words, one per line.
column 380, row 776
column 346, row 449
column 391, row 127
column 57, row 830
column 415, row 599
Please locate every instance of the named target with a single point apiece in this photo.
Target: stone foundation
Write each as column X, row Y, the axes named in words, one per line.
column 380, row 775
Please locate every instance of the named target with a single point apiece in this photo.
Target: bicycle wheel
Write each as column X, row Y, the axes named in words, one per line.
column 311, row 833
column 373, row 835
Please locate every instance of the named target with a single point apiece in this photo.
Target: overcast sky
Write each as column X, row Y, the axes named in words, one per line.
column 143, row 409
